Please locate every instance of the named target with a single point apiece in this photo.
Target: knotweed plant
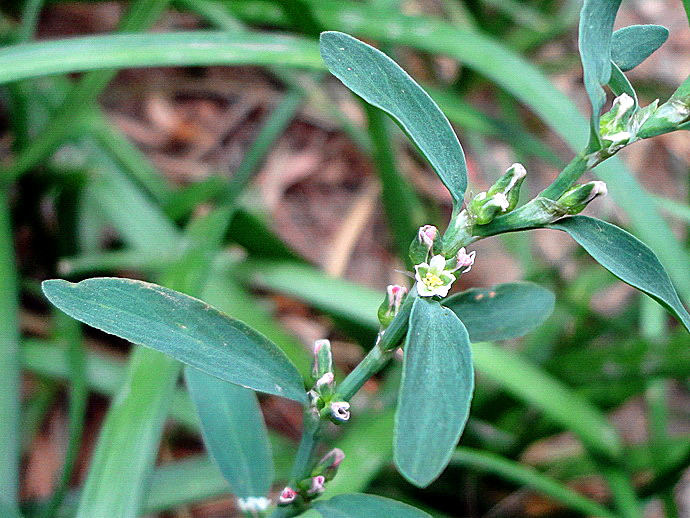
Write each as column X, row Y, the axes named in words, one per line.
column 228, row 361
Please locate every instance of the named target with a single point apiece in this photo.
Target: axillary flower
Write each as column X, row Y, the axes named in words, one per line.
column 436, row 277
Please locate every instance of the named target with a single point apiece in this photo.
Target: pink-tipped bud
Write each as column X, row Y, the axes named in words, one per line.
column 287, row 496
column 329, row 464
column 319, row 344
column 423, row 245
column 427, row 235
column 318, row 484
column 340, row 411
column 464, row 261
column 323, row 360
column 395, row 295
column 327, row 380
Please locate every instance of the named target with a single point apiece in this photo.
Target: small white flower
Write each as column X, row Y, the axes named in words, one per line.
column 340, row 411
column 253, row 504
column 433, row 278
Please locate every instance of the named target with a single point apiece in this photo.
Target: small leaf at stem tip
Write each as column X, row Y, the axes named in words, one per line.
column 379, row 80
column 596, row 27
column 631, row 45
column 180, row 326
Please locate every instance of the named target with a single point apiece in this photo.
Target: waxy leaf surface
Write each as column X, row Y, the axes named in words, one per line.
column 596, row 27
column 502, row 312
column 435, row 392
column 183, row 327
column 357, row 505
column 631, row 45
column 234, row 432
column 627, row 258
column 377, row 79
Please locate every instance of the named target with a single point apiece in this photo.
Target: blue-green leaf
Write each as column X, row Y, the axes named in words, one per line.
column 376, row 78
column 183, row 327
column 596, row 27
column 627, row 258
column 234, row 432
column 502, row 312
column 435, row 392
column 631, row 45
column 359, row 505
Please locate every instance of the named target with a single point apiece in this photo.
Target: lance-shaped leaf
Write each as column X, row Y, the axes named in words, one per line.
column 234, row 432
column 357, row 505
column 377, row 79
column 183, row 327
column 631, row 45
column 627, row 258
column 596, row 27
column 502, row 312
column 435, row 392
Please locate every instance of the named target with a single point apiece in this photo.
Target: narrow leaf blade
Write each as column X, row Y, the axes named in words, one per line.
column 356, row 505
column 596, row 27
column 502, row 312
column 627, row 258
column 183, row 327
column 376, row 78
column 631, row 45
column 435, row 392
column 234, row 432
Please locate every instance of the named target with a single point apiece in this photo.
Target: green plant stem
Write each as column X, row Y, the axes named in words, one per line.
column 576, row 168
column 370, row 365
column 10, row 378
column 302, row 465
column 380, row 354
column 142, row 14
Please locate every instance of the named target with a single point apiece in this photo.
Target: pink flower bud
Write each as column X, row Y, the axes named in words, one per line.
column 340, row 411
column 396, row 294
column 318, row 344
column 318, row 484
column 333, row 458
column 325, row 380
column 464, row 261
column 427, row 235
column 287, row 496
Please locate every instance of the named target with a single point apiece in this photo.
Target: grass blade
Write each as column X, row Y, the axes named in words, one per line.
column 527, row 476
column 141, row 14
column 10, row 379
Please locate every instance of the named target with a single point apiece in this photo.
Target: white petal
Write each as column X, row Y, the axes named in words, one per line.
column 437, row 263
column 424, row 291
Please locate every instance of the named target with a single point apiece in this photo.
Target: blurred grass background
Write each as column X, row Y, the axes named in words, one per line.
column 273, row 191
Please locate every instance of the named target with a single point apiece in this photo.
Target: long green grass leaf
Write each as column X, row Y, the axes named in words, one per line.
column 9, row 364
column 527, row 476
